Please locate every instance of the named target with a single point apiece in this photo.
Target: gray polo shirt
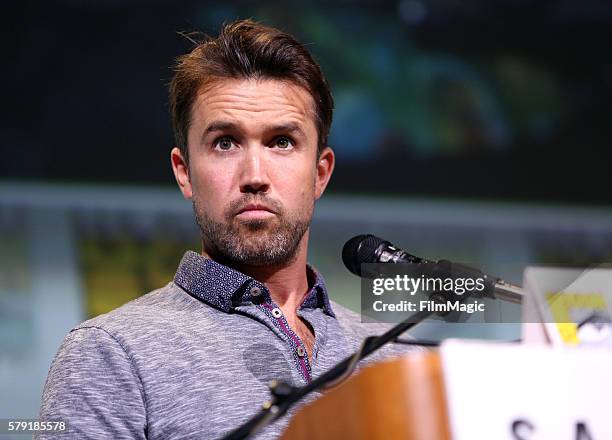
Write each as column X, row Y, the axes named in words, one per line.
column 194, row 358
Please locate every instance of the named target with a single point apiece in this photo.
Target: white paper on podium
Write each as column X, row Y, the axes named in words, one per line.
column 503, row 391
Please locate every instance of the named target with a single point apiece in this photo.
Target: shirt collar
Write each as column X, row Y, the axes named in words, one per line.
column 225, row 288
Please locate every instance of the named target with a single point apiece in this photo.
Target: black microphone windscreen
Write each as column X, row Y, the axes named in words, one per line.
column 360, row 249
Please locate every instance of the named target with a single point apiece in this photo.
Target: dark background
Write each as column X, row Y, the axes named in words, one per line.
column 503, row 100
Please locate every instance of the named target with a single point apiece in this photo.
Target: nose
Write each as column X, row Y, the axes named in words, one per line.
column 254, row 178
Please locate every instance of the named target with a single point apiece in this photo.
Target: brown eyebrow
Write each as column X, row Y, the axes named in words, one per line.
column 218, row 126
column 289, row 127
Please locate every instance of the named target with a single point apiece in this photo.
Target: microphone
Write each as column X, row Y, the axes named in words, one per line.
column 367, row 248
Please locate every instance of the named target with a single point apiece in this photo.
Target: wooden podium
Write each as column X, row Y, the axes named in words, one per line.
column 472, row 390
column 402, row 398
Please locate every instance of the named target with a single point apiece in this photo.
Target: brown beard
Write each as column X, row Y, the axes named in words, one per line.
column 257, row 242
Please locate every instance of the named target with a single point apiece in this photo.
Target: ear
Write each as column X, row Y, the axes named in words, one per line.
column 181, row 172
column 325, row 168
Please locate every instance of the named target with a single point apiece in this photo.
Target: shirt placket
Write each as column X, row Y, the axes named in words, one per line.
column 319, row 326
column 277, row 317
column 297, row 347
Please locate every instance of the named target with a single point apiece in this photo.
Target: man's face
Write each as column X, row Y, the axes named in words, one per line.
column 254, row 172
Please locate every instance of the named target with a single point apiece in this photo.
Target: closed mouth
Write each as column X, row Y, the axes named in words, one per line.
column 255, row 207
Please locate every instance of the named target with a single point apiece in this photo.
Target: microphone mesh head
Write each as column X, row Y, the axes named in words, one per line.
column 358, row 250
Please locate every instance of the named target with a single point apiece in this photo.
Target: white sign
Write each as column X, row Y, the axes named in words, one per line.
column 522, row 392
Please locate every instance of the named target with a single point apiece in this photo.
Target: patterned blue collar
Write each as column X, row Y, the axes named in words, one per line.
column 225, row 288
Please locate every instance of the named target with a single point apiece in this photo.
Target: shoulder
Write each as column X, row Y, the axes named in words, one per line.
column 135, row 327
column 149, row 310
column 139, row 325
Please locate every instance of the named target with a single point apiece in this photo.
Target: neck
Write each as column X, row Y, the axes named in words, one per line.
column 287, row 282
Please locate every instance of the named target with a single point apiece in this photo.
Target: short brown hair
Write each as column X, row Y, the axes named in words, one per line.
column 247, row 49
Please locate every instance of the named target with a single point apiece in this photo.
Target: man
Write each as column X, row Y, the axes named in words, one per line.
column 251, row 113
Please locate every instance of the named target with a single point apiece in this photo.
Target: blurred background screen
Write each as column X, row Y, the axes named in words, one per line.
column 481, row 99
column 477, row 131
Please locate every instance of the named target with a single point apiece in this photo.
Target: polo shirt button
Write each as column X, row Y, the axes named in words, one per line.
column 255, row 291
column 276, row 312
column 300, row 351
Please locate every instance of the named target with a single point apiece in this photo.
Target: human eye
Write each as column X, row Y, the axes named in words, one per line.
column 283, row 143
column 224, row 143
